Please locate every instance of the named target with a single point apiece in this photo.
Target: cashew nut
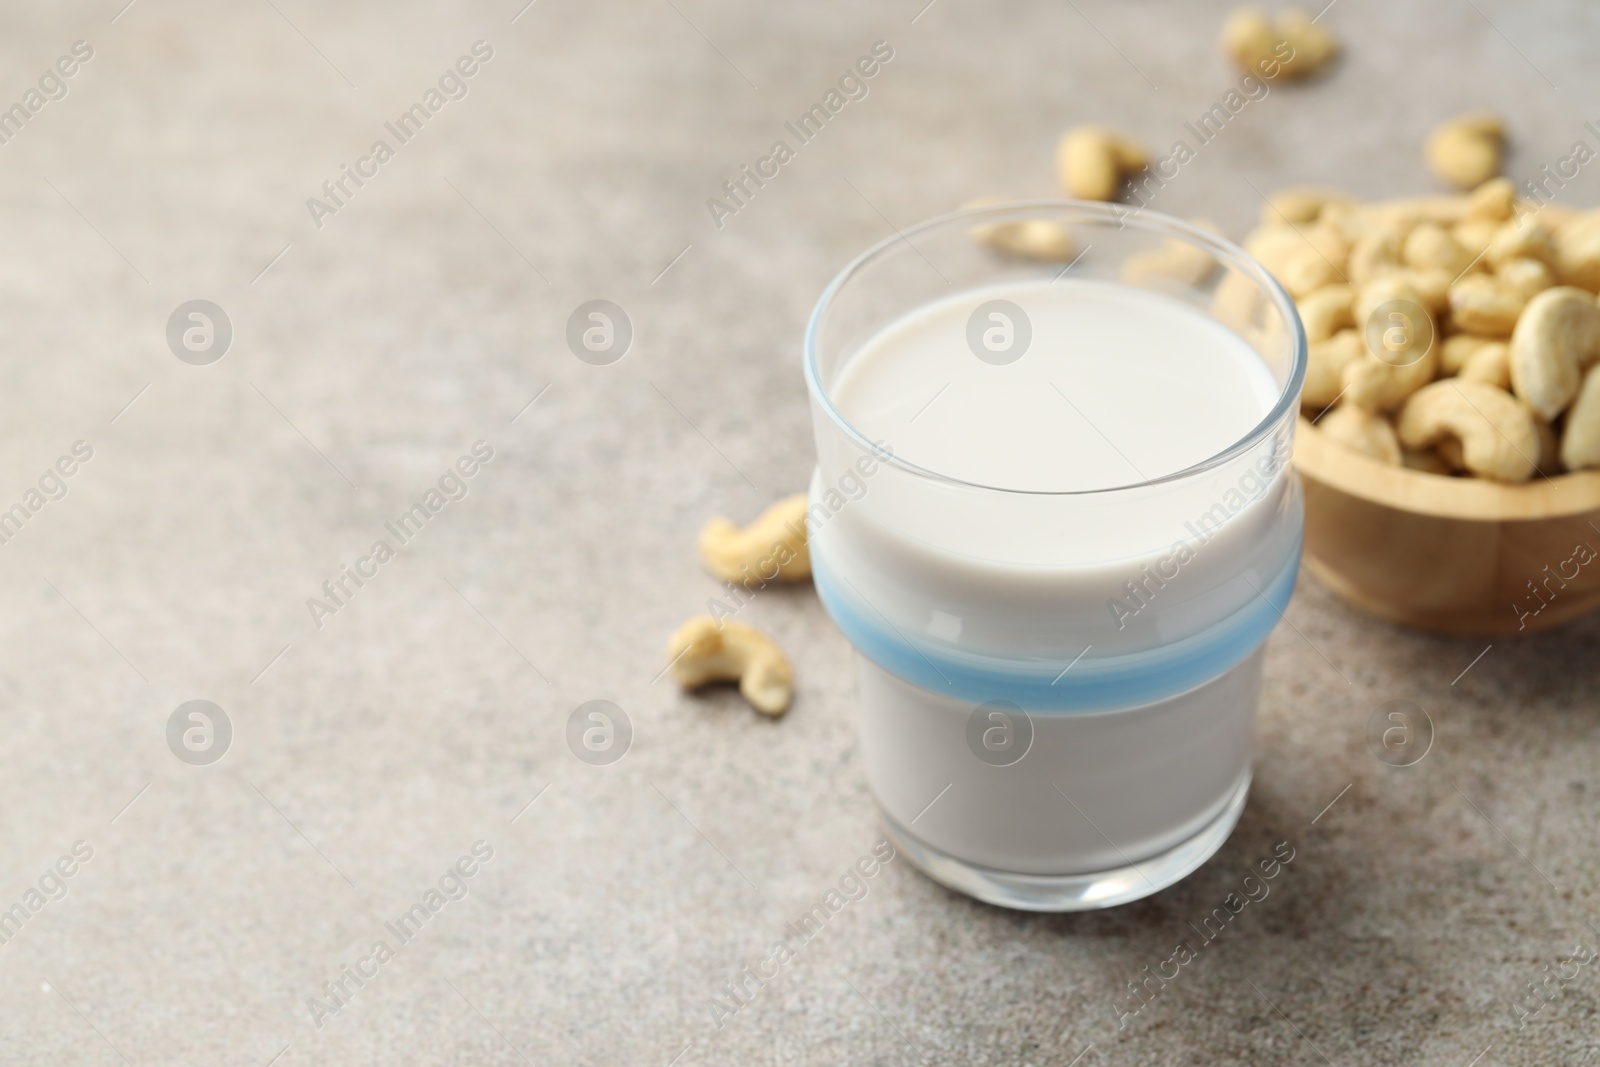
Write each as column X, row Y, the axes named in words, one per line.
column 1458, row 351
column 1499, row 437
column 1525, row 239
column 1578, row 252
column 1329, row 240
column 1378, row 385
column 1465, row 150
column 702, row 652
column 1374, row 253
column 1094, row 160
column 1294, row 44
column 1037, row 239
column 1175, row 261
column 1354, row 221
column 1490, row 364
column 1272, row 244
column 1382, row 290
column 1249, row 38
column 1299, row 205
column 1308, row 272
column 1483, row 304
column 1475, row 235
column 1556, row 216
column 1380, row 381
column 1325, row 364
column 1431, row 284
column 1493, row 201
column 771, row 548
column 1431, row 245
column 1580, row 444
column 1447, row 209
column 1238, row 301
column 1314, row 46
column 1525, row 277
column 1556, row 338
column 1303, row 261
column 1326, row 311
column 1363, row 431
column 1547, row 462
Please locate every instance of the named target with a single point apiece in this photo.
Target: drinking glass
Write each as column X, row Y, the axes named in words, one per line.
column 1026, row 745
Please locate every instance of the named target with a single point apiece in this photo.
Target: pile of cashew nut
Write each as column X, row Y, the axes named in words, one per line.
column 1451, row 334
column 709, row 649
column 1457, row 335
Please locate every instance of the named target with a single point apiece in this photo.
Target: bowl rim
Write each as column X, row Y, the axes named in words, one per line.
column 1418, row 492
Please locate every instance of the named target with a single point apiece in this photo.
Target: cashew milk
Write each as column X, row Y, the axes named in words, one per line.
column 1058, row 640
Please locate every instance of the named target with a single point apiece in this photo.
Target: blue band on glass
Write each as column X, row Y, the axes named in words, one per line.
column 1092, row 684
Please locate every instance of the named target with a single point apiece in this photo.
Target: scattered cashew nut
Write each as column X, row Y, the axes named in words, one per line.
column 1555, row 339
column 1238, row 301
column 1042, row 240
column 1499, row 437
column 1094, row 160
column 1179, row 261
column 1175, row 260
column 773, row 548
column 1465, row 151
column 703, row 652
column 1293, row 46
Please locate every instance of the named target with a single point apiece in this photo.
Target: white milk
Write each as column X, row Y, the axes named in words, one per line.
column 1118, row 387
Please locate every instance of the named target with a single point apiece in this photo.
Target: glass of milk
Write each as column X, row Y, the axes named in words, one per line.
column 1054, row 515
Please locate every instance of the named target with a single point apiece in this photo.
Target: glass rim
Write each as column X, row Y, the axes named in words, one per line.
column 1085, row 211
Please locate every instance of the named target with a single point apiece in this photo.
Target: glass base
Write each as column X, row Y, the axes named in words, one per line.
column 1072, row 892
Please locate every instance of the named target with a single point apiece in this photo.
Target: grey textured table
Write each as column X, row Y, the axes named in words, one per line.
column 376, row 339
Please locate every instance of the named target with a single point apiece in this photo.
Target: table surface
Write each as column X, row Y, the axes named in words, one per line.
column 377, row 338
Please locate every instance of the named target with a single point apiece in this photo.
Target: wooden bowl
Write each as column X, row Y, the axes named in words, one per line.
column 1451, row 555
